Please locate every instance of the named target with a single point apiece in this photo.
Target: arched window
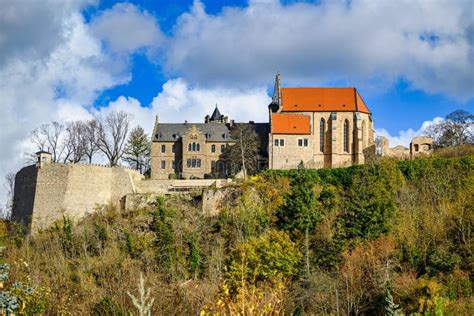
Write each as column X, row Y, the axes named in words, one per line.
column 321, row 135
column 189, row 147
column 346, row 136
column 194, row 146
column 198, row 147
column 364, row 136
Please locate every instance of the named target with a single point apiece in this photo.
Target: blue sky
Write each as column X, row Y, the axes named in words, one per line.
column 411, row 60
column 397, row 106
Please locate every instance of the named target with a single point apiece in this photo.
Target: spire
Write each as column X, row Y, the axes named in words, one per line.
column 276, row 99
column 216, row 115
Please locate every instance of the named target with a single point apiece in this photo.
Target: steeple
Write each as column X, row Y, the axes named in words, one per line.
column 275, row 106
column 216, row 117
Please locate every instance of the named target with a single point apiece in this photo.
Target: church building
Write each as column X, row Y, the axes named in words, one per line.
column 321, row 127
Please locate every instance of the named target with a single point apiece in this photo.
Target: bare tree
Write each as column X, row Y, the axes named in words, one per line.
column 456, row 129
column 90, row 136
column 49, row 137
column 244, row 153
column 112, row 133
column 75, row 141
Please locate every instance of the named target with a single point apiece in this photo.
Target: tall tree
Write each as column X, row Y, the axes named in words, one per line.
column 112, row 133
column 244, row 153
column 50, row 137
column 137, row 149
column 90, row 139
column 75, row 141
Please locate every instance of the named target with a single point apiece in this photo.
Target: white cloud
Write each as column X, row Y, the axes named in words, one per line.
column 53, row 77
column 427, row 42
column 125, row 28
column 404, row 137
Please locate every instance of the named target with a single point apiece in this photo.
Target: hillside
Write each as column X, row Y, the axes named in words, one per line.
column 394, row 236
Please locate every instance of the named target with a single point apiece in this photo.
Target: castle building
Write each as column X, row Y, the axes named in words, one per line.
column 196, row 150
column 321, row 127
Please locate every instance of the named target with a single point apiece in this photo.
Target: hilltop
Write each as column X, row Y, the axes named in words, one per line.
column 370, row 239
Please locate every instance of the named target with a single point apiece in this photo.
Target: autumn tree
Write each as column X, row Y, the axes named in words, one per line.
column 137, row 149
column 244, row 153
column 112, row 131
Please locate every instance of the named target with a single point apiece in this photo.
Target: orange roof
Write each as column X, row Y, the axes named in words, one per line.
column 290, row 124
column 322, row 99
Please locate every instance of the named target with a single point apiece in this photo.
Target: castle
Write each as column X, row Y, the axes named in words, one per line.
column 319, row 127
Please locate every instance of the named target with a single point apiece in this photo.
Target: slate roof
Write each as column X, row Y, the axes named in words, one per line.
column 216, row 115
column 215, row 132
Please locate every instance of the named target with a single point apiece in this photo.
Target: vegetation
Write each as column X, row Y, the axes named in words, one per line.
column 392, row 237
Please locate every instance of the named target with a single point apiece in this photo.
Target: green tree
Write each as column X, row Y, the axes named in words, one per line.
column 266, row 258
column 301, row 212
column 137, row 150
column 455, row 130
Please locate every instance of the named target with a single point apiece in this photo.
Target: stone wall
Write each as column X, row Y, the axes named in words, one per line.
column 43, row 195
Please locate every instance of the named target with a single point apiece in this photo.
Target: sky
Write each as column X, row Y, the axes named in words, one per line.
column 411, row 60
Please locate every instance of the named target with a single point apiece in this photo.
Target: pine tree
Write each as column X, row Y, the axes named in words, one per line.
column 137, row 150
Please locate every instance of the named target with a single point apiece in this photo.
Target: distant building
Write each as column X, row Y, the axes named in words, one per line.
column 321, row 127
column 196, row 150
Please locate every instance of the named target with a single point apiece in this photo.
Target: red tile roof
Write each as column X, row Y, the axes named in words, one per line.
column 322, row 99
column 290, row 124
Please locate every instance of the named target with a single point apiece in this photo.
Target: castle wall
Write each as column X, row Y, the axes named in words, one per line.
column 68, row 189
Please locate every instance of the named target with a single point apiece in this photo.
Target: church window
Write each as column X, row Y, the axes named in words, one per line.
column 194, row 146
column 322, row 127
column 346, row 136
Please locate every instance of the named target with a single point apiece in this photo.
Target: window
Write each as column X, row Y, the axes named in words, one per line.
column 303, row 142
column 190, row 147
column 198, row 163
column 163, row 164
column 279, row 142
column 194, row 146
column 346, row 136
column 198, row 147
column 173, row 148
column 173, row 163
column 416, row 147
column 222, row 148
column 188, row 163
column 213, row 148
column 163, row 148
column 322, row 127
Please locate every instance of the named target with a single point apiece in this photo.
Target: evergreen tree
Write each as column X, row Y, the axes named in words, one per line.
column 137, row 150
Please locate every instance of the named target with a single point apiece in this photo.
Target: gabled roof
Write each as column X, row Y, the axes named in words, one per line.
column 290, row 124
column 322, row 100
